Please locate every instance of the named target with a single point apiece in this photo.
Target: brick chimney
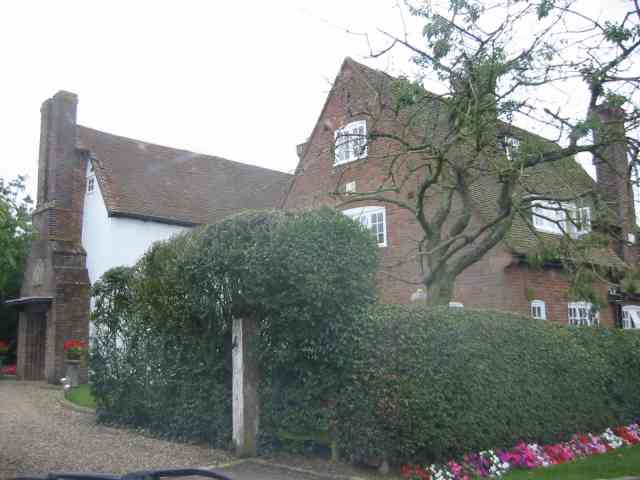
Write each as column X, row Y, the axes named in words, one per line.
column 612, row 171
column 55, row 290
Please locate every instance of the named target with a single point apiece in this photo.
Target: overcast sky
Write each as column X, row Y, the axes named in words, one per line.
column 241, row 80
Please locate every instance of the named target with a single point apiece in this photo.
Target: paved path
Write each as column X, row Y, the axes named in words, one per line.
column 38, row 435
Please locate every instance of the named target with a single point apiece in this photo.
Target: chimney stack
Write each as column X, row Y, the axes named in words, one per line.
column 612, row 171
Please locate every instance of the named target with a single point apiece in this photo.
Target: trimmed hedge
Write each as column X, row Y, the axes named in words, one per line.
column 162, row 350
column 432, row 384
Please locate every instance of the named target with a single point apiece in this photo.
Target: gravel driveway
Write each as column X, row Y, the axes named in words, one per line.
column 38, row 435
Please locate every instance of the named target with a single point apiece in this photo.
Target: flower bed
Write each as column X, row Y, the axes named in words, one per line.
column 491, row 463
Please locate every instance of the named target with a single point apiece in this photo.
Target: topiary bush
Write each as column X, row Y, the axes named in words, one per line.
column 432, row 384
column 162, row 349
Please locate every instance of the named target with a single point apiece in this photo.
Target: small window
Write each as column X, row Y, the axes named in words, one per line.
column 630, row 317
column 374, row 219
column 538, row 310
column 583, row 314
column 580, row 221
column 91, row 184
column 350, row 187
column 511, row 146
column 351, row 142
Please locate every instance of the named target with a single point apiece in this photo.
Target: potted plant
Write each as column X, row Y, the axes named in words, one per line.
column 74, row 353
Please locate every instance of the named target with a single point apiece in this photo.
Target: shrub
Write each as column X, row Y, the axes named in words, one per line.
column 162, row 356
column 432, row 384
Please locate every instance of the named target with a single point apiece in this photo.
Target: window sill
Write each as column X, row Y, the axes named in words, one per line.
column 349, row 161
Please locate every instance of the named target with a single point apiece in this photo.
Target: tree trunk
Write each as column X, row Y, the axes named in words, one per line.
column 440, row 290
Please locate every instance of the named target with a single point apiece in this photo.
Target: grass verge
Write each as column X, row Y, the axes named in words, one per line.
column 618, row 463
column 81, row 396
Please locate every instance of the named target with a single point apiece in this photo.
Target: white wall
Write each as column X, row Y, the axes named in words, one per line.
column 115, row 241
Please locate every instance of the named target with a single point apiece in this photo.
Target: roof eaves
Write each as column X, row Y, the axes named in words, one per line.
column 151, row 218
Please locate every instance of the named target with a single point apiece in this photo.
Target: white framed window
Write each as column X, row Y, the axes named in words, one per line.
column 351, row 142
column 583, row 314
column 630, row 316
column 580, row 223
column 511, row 146
column 374, row 219
column 559, row 218
column 350, row 187
column 538, row 310
column 91, row 184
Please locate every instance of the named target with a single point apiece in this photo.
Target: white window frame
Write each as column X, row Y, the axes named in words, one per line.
column 630, row 317
column 551, row 217
column 538, row 309
column 582, row 314
column 364, row 216
column 510, row 145
column 350, row 142
column 350, row 187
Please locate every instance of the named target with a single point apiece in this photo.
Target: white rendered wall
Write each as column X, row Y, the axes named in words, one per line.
column 114, row 241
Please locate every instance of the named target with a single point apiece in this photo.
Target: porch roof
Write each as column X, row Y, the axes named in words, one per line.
column 31, row 303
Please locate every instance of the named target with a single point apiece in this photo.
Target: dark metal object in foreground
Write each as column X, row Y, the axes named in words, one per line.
column 144, row 475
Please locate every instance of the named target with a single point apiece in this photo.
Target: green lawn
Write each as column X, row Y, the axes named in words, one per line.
column 81, row 396
column 619, row 463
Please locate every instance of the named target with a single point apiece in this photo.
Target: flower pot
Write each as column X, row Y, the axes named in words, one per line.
column 72, row 372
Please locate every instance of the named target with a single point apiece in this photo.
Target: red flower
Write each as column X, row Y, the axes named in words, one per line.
column 422, row 474
column 69, row 344
column 8, row 370
column 406, row 471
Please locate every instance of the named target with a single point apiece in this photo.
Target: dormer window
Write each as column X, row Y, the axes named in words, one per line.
column 351, row 142
column 511, row 146
column 561, row 218
column 91, row 184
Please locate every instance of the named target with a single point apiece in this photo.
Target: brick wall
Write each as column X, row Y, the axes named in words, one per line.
column 497, row 281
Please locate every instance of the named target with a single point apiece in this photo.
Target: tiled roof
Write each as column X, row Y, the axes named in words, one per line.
column 561, row 179
column 148, row 181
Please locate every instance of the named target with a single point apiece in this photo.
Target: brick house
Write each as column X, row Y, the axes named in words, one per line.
column 102, row 201
column 332, row 170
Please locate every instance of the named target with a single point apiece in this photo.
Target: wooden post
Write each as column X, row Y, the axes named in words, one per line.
column 245, row 387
